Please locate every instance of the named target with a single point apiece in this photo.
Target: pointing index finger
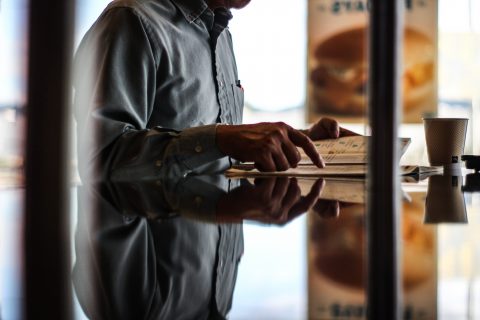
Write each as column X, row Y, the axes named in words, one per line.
column 301, row 140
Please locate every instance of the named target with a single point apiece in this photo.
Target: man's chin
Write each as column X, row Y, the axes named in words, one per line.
column 237, row 4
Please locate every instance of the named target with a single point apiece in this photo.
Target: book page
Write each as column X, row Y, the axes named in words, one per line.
column 339, row 158
column 351, row 144
column 346, row 150
column 353, row 148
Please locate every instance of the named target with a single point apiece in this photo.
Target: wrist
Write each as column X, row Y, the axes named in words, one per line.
column 220, row 136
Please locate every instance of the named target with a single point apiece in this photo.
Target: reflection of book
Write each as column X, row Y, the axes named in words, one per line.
column 330, row 170
column 303, row 170
column 349, row 190
column 420, row 170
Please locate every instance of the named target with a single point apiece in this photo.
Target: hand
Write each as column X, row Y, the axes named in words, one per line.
column 327, row 208
column 269, row 200
column 271, row 146
column 330, row 209
column 328, row 128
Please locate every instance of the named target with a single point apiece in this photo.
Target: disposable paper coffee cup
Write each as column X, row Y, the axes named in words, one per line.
column 445, row 139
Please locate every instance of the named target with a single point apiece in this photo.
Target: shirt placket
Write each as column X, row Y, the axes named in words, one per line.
column 221, row 260
column 225, row 112
column 221, row 18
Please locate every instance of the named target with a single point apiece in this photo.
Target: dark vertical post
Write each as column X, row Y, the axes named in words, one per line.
column 386, row 30
column 47, row 286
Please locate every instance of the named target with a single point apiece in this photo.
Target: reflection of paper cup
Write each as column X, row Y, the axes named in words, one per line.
column 445, row 139
column 445, row 202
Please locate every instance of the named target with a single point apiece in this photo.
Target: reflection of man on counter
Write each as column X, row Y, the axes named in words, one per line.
column 170, row 249
column 157, row 93
column 141, row 260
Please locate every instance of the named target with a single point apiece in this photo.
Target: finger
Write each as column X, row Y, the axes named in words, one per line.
column 281, row 162
column 280, row 188
column 291, row 153
column 347, row 133
column 272, row 195
column 331, row 126
column 292, row 195
column 264, row 186
column 301, row 140
column 265, row 163
column 289, row 194
column 327, row 208
column 309, row 200
column 317, row 132
column 316, row 189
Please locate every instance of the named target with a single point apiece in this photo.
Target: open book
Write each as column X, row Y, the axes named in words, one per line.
column 346, row 156
column 345, row 150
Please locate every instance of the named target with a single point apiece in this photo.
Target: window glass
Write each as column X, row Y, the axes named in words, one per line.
column 270, row 45
column 13, row 71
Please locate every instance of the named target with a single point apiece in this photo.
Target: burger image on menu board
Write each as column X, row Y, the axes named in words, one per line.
column 339, row 250
column 340, row 74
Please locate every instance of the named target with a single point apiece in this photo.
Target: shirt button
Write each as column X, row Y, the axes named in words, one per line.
column 221, row 84
column 158, row 163
column 198, row 149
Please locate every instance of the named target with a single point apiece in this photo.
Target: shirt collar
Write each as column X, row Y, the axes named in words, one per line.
column 191, row 9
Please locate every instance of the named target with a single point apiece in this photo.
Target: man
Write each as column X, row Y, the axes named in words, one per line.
column 157, row 94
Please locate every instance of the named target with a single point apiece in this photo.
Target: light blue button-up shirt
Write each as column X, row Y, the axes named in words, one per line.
column 152, row 80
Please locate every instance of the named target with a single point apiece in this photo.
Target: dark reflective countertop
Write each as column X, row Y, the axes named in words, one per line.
column 173, row 249
column 208, row 247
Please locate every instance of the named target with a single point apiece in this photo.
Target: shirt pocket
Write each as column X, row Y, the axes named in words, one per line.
column 238, row 100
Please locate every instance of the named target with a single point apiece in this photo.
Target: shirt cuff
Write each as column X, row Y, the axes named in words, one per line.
column 197, row 146
column 197, row 197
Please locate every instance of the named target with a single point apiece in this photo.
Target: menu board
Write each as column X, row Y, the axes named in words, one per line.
column 337, row 263
column 337, row 60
